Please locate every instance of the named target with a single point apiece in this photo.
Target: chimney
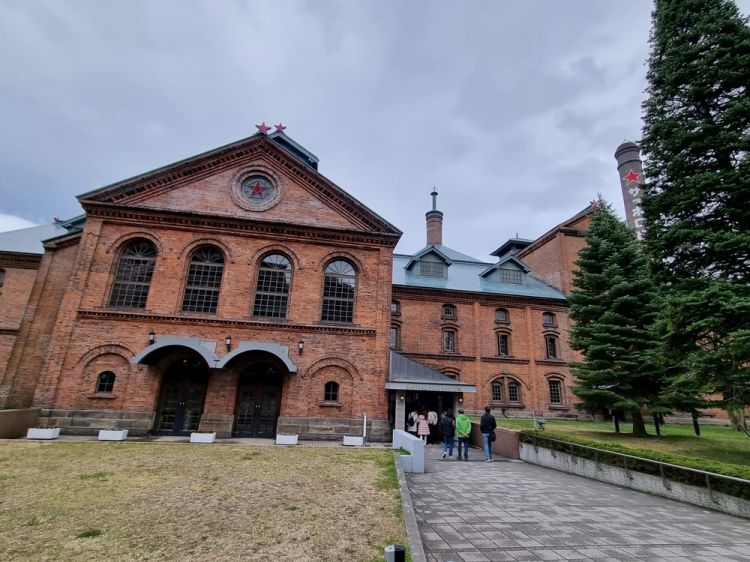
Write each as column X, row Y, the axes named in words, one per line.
column 434, row 222
column 630, row 169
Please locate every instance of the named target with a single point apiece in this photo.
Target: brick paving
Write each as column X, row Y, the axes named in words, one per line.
column 477, row 511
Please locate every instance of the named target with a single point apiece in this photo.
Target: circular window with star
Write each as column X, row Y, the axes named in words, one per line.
column 257, row 189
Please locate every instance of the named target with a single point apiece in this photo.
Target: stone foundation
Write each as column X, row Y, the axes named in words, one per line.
column 89, row 422
column 326, row 429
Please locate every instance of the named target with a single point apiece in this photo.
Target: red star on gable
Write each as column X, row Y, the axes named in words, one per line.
column 257, row 191
column 280, row 128
column 631, row 177
column 263, row 128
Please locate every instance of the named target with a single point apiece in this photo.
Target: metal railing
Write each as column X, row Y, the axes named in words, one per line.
column 714, row 483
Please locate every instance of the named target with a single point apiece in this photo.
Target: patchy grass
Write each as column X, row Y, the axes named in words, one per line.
column 718, row 449
column 149, row 501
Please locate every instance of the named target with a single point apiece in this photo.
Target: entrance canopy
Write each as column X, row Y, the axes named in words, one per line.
column 407, row 374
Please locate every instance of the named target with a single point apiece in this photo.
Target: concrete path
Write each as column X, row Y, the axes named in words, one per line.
column 475, row 511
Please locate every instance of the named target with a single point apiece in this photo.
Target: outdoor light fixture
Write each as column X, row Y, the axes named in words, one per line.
column 460, row 399
column 401, row 397
column 228, row 342
column 300, row 346
column 151, row 336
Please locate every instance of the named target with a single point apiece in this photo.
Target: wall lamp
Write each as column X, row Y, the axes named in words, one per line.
column 300, row 346
column 228, row 342
column 401, row 397
column 460, row 399
column 151, row 336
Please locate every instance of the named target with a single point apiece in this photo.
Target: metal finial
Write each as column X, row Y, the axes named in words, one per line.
column 434, row 198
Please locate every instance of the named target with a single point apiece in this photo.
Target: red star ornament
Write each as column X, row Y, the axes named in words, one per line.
column 257, row 191
column 280, row 128
column 631, row 177
column 263, row 128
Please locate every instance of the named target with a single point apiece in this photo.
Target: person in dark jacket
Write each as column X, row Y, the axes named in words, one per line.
column 447, row 427
column 487, row 426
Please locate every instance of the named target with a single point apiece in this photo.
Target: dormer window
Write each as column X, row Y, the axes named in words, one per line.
column 513, row 276
column 431, row 269
column 449, row 311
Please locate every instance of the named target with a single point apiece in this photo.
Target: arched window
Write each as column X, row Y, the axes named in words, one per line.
column 501, row 315
column 555, row 391
column 514, row 392
column 497, row 391
column 203, row 280
column 272, row 289
column 331, row 392
column 548, row 319
column 506, row 392
column 338, row 292
column 105, row 382
column 449, row 311
column 133, row 275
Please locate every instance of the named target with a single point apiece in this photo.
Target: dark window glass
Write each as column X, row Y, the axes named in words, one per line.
column 449, row 340
column 555, row 392
column 2, row 277
column 502, row 344
column 272, row 289
column 133, row 276
column 551, row 343
column 497, row 391
column 338, row 292
column 395, row 308
column 331, row 392
column 105, row 382
column 431, row 269
column 204, row 280
column 449, row 311
column 510, row 276
column 514, row 392
column 548, row 319
column 501, row 315
column 394, row 337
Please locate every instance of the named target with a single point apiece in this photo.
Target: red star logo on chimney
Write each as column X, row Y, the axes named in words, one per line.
column 280, row 128
column 631, row 177
column 263, row 128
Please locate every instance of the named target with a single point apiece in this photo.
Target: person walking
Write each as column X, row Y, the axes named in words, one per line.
column 487, row 427
column 411, row 421
column 448, row 427
column 463, row 429
column 423, row 427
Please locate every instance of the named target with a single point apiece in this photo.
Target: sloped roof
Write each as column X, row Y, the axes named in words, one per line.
column 31, row 240
column 503, row 261
column 407, row 374
column 467, row 276
column 566, row 225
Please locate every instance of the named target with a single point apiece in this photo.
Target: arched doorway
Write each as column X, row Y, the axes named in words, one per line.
column 258, row 399
column 181, row 398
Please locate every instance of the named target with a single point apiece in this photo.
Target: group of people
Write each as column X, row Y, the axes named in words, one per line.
column 419, row 422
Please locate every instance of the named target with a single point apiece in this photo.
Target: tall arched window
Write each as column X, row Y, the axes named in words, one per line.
column 203, row 280
column 338, row 292
column 272, row 289
column 133, row 275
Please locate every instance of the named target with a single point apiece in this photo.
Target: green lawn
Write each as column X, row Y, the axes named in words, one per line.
column 718, row 449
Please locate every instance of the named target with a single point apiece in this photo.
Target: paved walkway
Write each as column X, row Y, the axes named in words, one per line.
column 505, row 510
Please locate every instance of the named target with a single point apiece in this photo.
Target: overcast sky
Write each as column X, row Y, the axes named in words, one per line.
column 512, row 109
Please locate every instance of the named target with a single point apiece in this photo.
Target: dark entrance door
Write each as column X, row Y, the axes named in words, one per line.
column 258, row 401
column 183, row 392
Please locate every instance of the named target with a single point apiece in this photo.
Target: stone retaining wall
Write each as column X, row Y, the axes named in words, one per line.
column 89, row 422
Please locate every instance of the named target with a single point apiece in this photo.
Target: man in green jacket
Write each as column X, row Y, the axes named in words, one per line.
column 463, row 430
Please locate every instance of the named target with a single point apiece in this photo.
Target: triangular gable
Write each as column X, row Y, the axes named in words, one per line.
column 429, row 250
column 504, row 263
column 156, row 185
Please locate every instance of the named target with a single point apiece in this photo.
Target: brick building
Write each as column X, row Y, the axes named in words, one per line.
column 242, row 292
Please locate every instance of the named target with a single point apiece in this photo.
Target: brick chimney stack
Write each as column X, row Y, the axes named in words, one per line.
column 434, row 222
column 630, row 169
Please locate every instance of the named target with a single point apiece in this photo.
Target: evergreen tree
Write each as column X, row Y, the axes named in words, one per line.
column 696, row 145
column 612, row 306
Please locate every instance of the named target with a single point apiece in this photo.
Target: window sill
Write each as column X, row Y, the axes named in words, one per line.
column 102, row 396
column 329, row 404
column 502, row 322
column 558, row 407
column 515, row 405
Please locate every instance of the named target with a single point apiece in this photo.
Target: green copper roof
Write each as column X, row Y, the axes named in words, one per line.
column 465, row 273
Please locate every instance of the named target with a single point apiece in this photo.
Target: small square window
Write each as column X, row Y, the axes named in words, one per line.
column 395, row 308
column 431, row 269
column 501, row 315
column 449, row 311
column 548, row 319
column 331, row 392
column 512, row 276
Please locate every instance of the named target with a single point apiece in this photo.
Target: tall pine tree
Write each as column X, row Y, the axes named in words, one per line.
column 696, row 203
column 613, row 309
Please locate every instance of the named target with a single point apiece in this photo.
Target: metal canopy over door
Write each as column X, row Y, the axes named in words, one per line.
column 181, row 399
column 258, row 401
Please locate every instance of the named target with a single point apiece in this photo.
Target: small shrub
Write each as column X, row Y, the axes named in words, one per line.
column 89, row 533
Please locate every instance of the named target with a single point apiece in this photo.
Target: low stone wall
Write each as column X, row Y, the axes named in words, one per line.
column 505, row 444
column 566, row 462
column 89, row 422
column 15, row 423
column 323, row 429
